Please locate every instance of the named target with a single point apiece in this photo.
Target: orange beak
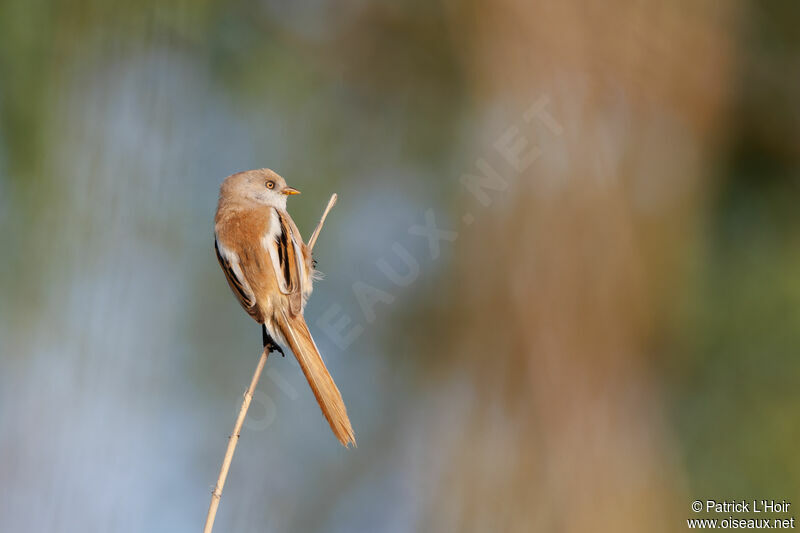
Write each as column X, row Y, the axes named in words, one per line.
column 288, row 191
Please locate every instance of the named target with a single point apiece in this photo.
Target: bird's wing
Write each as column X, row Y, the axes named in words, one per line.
column 287, row 260
column 308, row 261
column 229, row 262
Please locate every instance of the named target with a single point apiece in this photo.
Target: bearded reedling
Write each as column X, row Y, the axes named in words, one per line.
column 271, row 272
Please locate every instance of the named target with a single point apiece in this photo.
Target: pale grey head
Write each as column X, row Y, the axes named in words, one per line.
column 262, row 186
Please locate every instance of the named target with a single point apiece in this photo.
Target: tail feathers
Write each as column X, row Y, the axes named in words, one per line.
column 296, row 333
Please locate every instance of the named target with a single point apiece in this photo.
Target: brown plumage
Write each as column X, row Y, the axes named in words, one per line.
column 269, row 269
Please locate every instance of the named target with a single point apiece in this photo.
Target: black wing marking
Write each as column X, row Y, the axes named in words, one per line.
column 283, row 254
column 239, row 287
column 289, row 264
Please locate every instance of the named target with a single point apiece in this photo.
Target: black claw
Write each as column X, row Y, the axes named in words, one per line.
column 269, row 343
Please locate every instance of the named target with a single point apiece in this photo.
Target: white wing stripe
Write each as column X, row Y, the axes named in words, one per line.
column 268, row 241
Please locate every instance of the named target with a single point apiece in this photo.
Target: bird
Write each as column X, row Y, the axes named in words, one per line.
column 271, row 272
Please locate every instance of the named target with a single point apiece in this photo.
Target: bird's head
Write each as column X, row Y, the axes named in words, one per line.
column 263, row 186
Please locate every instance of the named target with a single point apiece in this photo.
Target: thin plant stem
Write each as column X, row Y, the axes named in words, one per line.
column 314, row 235
column 232, row 441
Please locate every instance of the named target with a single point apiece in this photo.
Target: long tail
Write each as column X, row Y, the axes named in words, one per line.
column 296, row 333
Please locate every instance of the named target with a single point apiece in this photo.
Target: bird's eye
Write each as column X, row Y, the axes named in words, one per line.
column 270, row 185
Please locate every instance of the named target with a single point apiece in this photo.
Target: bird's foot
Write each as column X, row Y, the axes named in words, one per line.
column 269, row 343
column 273, row 347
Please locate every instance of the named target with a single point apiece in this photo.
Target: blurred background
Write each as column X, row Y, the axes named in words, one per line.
column 561, row 291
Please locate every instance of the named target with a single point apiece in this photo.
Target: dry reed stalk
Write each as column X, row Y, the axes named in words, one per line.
column 314, row 235
column 232, row 441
